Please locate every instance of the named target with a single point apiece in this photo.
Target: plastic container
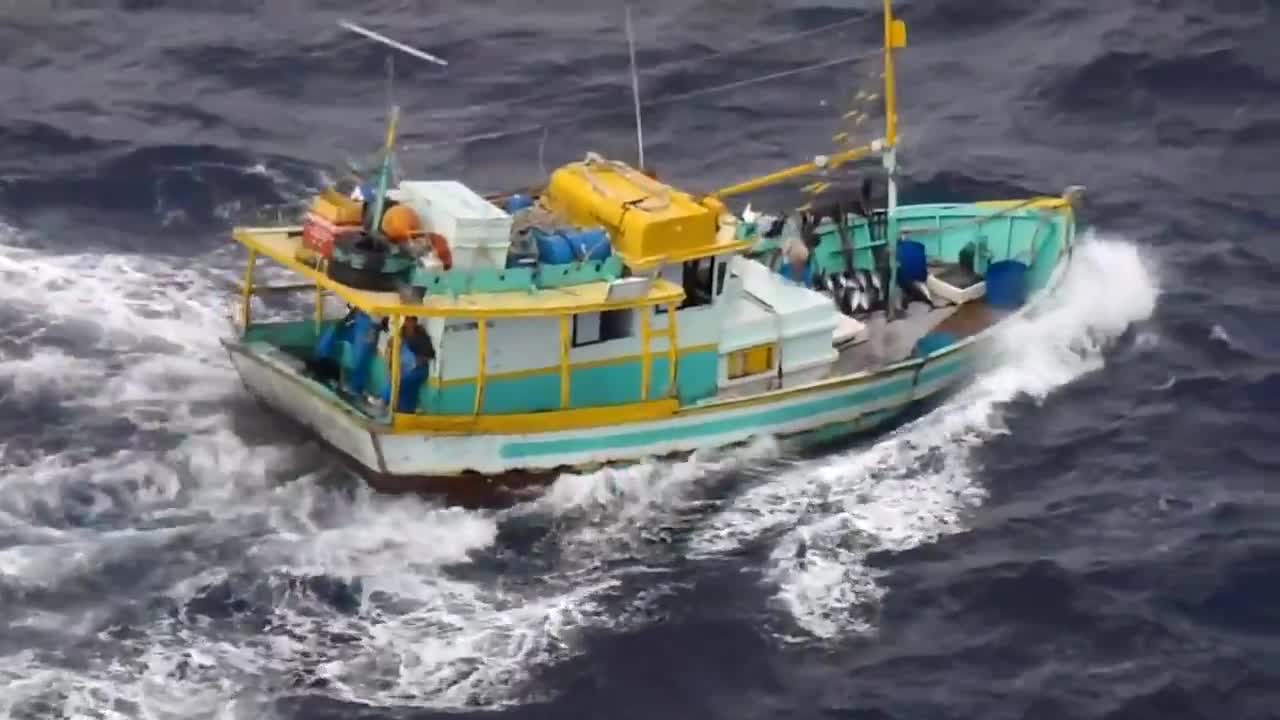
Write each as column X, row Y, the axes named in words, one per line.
column 1007, row 284
column 912, row 262
column 553, row 248
column 518, row 202
column 319, row 235
column 801, row 274
column 588, row 244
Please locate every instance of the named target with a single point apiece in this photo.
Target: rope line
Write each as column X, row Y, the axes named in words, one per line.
column 670, row 99
column 611, row 81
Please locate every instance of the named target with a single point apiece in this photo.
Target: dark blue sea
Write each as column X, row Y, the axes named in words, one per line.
column 1086, row 531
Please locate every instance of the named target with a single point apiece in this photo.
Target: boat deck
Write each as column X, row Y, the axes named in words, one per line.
column 888, row 343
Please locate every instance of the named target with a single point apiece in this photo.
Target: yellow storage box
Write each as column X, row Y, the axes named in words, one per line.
column 647, row 219
column 337, row 208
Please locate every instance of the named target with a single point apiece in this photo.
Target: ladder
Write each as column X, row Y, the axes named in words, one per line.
column 647, row 333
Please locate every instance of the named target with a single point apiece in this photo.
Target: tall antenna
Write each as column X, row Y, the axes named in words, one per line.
column 391, row 43
column 635, row 86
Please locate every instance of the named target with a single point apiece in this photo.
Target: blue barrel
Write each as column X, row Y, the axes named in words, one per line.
column 805, row 278
column 1006, row 284
column 553, row 248
column 589, row 244
column 912, row 263
column 518, row 202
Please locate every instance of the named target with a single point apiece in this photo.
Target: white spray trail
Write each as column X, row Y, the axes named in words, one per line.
column 824, row 517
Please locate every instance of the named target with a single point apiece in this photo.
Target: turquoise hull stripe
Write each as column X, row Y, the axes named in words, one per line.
column 593, row 386
column 895, row 388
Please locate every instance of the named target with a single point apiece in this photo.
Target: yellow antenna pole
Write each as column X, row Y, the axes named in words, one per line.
column 375, row 219
column 391, row 127
column 890, row 98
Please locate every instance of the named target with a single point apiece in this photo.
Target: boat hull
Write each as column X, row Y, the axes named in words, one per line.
column 483, row 464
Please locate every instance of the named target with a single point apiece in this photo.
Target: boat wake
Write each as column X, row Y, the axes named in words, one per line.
column 824, row 517
column 167, row 550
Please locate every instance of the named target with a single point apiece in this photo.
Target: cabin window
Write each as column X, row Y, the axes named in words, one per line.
column 702, row 280
column 751, row 361
column 698, row 278
column 595, row 327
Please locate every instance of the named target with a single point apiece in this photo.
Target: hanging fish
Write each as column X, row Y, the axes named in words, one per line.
column 858, row 280
column 853, row 300
column 873, row 297
column 921, row 291
column 846, row 299
column 836, row 287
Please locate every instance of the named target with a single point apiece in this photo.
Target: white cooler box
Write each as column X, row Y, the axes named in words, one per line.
column 478, row 232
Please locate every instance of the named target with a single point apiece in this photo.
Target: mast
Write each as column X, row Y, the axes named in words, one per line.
column 385, row 176
column 895, row 36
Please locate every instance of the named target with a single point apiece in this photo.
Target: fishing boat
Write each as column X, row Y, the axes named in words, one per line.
column 608, row 317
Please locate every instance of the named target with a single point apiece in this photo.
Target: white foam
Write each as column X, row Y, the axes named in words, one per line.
column 824, row 517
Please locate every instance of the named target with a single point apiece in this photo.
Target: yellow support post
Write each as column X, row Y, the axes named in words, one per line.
column 482, row 338
column 319, row 307
column 644, row 353
column 397, row 330
column 890, row 96
column 566, row 338
column 246, row 290
column 673, row 354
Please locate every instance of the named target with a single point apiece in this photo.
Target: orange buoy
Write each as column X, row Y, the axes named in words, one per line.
column 400, row 223
column 440, row 247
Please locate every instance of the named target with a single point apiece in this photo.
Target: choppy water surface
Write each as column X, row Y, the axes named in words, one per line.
column 1085, row 531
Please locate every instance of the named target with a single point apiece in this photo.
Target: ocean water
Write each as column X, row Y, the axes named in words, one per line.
column 1084, row 532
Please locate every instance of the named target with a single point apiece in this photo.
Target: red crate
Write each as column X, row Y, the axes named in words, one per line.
column 318, row 234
